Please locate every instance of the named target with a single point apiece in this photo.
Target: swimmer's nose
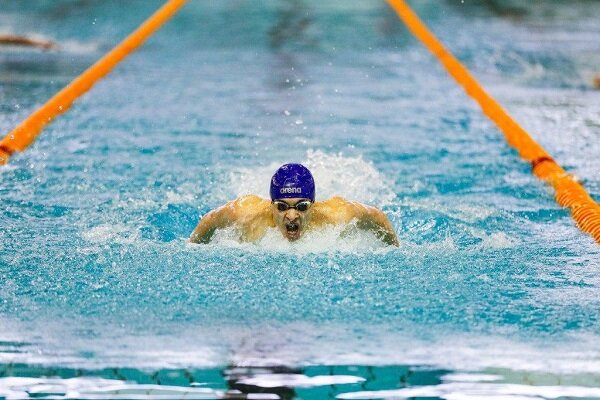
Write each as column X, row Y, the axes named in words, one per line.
column 292, row 215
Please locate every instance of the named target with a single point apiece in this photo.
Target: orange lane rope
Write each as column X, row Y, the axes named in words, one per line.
column 26, row 132
column 569, row 193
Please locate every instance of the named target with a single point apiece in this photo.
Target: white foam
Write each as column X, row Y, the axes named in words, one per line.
column 478, row 391
column 179, row 197
column 340, row 238
column 97, row 388
column 112, row 233
column 298, row 380
column 77, row 47
column 497, row 240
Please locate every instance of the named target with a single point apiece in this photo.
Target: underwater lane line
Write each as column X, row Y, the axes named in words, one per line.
column 569, row 193
column 28, row 130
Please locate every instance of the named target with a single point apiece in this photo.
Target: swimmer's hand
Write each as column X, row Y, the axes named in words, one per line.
column 374, row 220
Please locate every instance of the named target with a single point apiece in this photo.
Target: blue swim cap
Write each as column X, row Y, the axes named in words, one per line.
column 292, row 180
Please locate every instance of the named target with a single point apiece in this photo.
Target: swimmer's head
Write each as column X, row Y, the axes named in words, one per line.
column 292, row 197
column 292, row 181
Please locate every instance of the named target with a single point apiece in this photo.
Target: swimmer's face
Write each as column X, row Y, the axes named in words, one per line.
column 291, row 216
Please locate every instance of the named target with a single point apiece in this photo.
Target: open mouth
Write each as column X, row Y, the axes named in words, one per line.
column 292, row 227
column 292, row 230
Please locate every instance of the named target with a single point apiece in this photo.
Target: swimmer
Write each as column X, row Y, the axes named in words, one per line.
column 16, row 40
column 596, row 82
column 292, row 210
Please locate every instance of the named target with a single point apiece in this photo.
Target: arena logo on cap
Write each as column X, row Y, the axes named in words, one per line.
column 287, row 190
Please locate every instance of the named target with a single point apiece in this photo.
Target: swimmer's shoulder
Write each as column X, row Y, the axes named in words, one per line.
column 332, row 203
column 241, row 206
column 250, row 206
column 250, row 201
column 334, row 210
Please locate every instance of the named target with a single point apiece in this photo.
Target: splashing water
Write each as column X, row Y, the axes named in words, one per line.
column 334, row 175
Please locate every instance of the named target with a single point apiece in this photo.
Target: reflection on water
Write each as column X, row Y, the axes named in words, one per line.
column 280, row 382
column 288, row 32
column 291, row 26
column 244, row 380
column 315, row 382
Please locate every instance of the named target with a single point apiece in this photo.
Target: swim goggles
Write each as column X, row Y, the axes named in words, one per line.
column 301, row 206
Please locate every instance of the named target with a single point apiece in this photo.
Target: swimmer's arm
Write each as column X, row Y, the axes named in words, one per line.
column 374, row 220
column 217, row 219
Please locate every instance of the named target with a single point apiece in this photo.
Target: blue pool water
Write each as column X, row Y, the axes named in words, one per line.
column 493, row 292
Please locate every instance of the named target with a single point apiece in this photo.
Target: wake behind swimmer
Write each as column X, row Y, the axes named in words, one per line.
column 292, row 210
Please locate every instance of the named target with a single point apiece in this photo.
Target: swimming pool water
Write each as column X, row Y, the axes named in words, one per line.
column 492, row 278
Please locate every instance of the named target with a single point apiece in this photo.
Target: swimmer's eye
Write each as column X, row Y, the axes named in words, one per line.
column 281, row 206
column 301, row 206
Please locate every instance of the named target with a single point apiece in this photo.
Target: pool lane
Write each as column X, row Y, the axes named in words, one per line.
column 93, row 260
